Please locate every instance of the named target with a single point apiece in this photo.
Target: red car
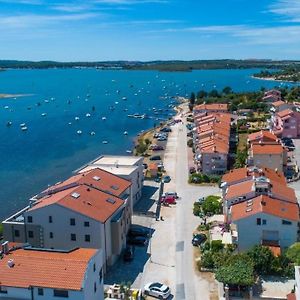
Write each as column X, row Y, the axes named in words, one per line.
column 168, row 199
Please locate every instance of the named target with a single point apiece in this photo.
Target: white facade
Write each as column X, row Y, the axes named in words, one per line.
column 271, row 229
column 128, row 167
column 58, row 233
column 91, row 289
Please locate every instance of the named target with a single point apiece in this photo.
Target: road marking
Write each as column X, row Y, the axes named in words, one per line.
column 180, row 294
column 180, row 246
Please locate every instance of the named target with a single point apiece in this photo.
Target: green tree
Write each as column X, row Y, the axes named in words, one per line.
column 293, row 253
column 263, row 259
column 236, row 270
column 212, row 205
column 214, row 94
column 227, row 90
column 201, row 94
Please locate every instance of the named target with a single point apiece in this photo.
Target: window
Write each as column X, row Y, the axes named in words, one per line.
column 61, row 293
column 87, row 238
column 72, row 222
column 29, row 219
column 50, row 219
column 17, row 233
column 30, row 234
column 3, row 290
column 73, row 237
column 94, row 267
column 258, row 221
column 100, row 275
column 40, row 292
column 285, row 222
column 51, row 235
column 95, row 287
column 264, row 222
column 86, row 224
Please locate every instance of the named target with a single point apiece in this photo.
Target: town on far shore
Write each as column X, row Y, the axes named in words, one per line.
column 207, row 207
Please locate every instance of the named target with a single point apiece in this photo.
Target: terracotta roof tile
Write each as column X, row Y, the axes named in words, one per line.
column 278, row 103
column 267, row 149
column 262, row 135
column 239, row 189
column 267, row 205
column 45, row 269
column 284, row 113
column 90, row 202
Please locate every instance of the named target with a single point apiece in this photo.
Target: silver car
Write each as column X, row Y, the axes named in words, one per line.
column 157, row 290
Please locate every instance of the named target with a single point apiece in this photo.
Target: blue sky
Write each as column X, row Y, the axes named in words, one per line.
column 93, row 30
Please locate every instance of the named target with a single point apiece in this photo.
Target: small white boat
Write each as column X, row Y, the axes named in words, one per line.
column 88, row 115
column 9, row 123
column 70, row 123
column 6, row 107
column 116, row 102
column 46, row 101
column 93, row 133
column 129, row 151
column 77, row 118
column 24, row 128
column 104, row 142
column 103, row 118
column 125, row 133
column 124, row 98
column 43, row 114
column 22, row 124
column 79, row 132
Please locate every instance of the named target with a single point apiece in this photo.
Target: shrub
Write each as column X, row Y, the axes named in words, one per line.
column 197, row 209
column 212, row 205
column 216, row 246
column 190, row 143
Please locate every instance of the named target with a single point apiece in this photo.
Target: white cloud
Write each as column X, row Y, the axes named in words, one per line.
column 288, row 9
column 31, row 20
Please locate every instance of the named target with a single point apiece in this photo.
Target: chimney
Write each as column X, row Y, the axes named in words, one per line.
column 10, row 263
column 263, row 203
column 276, row 170
column 5, row 248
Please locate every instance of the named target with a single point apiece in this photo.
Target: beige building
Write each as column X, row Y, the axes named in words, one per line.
column 273, row 156
column 128, row 167
column 89, row 210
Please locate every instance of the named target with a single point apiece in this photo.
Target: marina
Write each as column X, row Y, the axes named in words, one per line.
column 70, row 116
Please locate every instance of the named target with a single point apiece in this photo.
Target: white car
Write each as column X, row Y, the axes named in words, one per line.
column 157, row 290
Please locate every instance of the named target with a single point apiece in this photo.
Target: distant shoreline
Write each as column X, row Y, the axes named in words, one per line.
column 6, row 96
column 274, row 79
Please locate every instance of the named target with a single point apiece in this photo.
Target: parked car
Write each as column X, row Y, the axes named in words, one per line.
column 173, row 194
column 198, row 239
column 155, row 157
column 157, row 148
column 166, row 179
column 166, row 129
column 128, row 254
column 168, row 199
column 138, row 231
column 145, row 166
column 162, row 139
column 157, row 290
column 137, row 240
column 201, row 200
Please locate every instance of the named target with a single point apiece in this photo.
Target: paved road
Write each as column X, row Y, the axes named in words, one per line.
column 189, row 285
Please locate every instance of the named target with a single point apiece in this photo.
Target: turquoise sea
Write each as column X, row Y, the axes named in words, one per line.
column 51, row 148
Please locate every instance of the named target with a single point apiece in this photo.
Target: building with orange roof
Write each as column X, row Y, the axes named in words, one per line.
column 93, row 208
column 272, row 96
column 27, row 273
column 211, row 108
column 247, row 173
column 268, row 155
column 265, row 220
column 212, row 139
column 130, row 168
column 279, row 106
column 286, row 123
column 262, row 136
